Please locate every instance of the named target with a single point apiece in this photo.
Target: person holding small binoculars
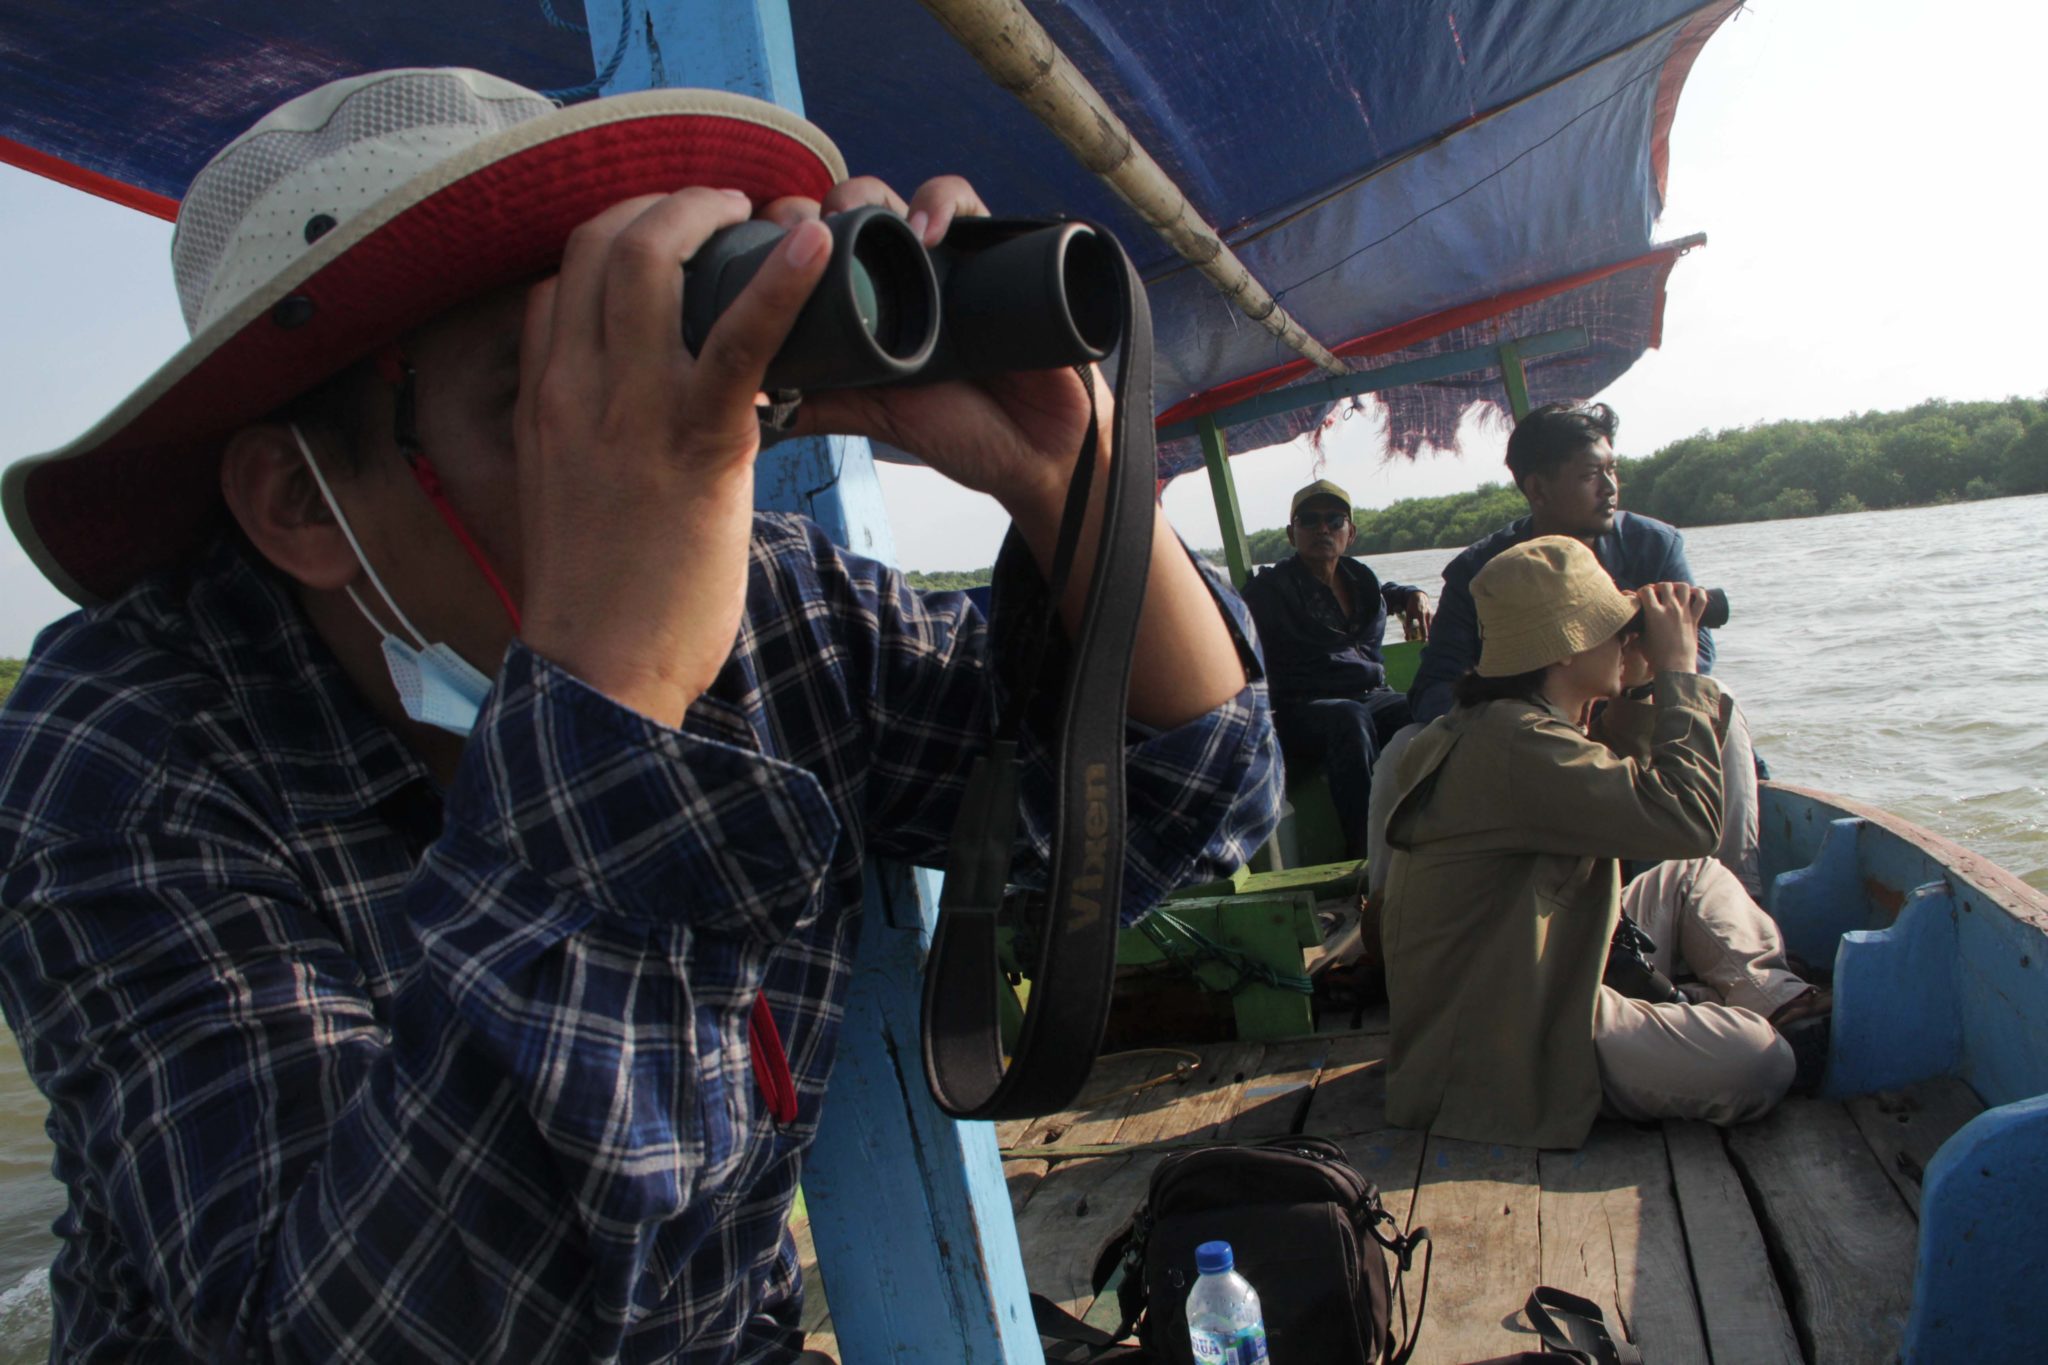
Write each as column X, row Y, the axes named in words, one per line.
column 1508, row 823
column 430, row 873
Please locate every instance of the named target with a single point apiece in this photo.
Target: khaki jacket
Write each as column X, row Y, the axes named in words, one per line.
column 1504, row 890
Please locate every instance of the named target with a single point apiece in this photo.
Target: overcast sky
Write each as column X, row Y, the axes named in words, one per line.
column 1867, row 172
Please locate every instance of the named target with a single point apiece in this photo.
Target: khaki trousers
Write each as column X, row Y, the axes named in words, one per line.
column 1719, row 1060
column 1739, row 851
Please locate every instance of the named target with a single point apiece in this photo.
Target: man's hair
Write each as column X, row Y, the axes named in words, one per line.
column 339, row 409
column 1473, row 690
column 1555, row 432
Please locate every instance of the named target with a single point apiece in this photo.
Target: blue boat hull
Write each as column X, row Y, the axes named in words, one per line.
column 1941, row 969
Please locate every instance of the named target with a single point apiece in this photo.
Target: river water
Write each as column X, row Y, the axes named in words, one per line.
column 1898, row 657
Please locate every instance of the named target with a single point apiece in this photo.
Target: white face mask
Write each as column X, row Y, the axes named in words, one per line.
column 436, row 686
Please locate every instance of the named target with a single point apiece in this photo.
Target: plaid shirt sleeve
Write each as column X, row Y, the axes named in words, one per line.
column 1201, row 797
column 545, row 1125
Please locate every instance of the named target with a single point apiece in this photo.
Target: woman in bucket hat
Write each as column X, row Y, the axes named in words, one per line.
column 1508, row 826
column 429, row 866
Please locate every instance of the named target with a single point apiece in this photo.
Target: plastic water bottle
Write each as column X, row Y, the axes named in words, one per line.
column 1225, row 1323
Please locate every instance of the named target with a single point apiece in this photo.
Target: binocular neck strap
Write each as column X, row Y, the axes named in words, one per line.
column 1076, row 957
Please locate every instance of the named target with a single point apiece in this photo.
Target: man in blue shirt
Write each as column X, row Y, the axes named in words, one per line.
column 1322, row 616
column 431, row 867
column 1562, row 458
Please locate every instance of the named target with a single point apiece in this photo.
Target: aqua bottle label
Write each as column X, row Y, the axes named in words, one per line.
column 1247, row 1346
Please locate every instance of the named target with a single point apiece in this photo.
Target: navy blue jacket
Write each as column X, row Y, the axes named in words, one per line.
column 1312, row 650
column 1639, row 550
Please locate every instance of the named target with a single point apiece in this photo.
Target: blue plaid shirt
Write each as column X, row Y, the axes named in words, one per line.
column 342, row 1067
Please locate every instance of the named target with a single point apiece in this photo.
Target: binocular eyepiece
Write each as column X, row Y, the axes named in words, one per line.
column 996, row 295
column 1715, row 616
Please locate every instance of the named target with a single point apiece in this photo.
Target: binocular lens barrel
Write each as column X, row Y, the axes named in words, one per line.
column 1713, row 618
column 1030, row 301
column 873, row 318
column 995, row 296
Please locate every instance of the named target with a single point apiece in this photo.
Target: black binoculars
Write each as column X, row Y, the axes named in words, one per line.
column 996, row 295
column 1715, row 616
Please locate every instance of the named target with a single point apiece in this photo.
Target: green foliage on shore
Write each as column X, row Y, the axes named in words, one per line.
column 1933, row 452
column 949, row 580
column 10, row 669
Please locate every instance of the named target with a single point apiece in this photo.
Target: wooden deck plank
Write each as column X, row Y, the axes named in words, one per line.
column 1905, row 1128
column 1274, row 1102
column 1102, row 1105
column 1022, row 1178
column 1740, row 1305
column 1199, row 1108
column 1351, row 1094
column 1611, row 1232
column 1074, row 1213
column 1480, row 1203
column 1838, row 1228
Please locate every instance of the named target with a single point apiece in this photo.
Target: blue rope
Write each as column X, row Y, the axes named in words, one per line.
column 611, row 68
column 547, row 12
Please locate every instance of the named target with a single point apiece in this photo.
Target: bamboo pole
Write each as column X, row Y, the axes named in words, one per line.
column 1019, row 55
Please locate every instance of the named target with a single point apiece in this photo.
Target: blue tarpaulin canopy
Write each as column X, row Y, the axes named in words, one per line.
column 1382, row 166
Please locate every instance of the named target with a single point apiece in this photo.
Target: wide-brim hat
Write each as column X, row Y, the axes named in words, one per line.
column 1541, row 602
column 342, row 220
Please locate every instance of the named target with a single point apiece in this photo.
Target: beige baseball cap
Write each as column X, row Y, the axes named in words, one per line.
column 1321, row 488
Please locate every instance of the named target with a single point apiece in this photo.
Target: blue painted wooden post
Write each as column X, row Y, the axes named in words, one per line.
column 1897, row 1019
column 908, row 1209
column 1977, row 1283
column 1816, row 905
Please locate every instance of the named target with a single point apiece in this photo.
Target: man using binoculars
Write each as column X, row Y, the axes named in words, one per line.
column 430, row 873
column 1563, row 461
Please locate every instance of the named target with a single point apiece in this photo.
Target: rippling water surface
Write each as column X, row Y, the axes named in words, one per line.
column 1898, row 657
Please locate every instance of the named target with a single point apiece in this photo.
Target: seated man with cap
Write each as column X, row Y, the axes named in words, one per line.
column 430, row 867
column 1322, row 616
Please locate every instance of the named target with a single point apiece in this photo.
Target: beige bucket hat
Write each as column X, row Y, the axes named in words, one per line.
column 1541, row 602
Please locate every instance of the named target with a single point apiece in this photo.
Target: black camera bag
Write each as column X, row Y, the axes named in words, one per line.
column 1307, row 1231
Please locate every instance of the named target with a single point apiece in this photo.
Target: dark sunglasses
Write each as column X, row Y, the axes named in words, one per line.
column 1329, row 521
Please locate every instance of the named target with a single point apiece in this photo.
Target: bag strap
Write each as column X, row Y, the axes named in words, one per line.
column 1404, row 1258
column 1577, row 1328
column 1068, row 1010
column 1066, row 1340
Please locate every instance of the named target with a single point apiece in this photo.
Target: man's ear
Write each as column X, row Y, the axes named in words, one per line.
column 278, row 506
column 1290, row 531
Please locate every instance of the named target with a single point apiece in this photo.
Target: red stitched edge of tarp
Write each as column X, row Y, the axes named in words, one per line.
column 1406, row 334
column 92, row 182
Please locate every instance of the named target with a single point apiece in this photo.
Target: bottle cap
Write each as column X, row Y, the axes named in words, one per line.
column 1214, row 1258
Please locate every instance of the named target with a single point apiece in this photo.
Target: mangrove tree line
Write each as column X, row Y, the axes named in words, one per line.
column 1933, row 452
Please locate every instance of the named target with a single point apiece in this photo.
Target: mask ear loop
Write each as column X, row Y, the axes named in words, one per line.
column 396, row 370
column 341, row 520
